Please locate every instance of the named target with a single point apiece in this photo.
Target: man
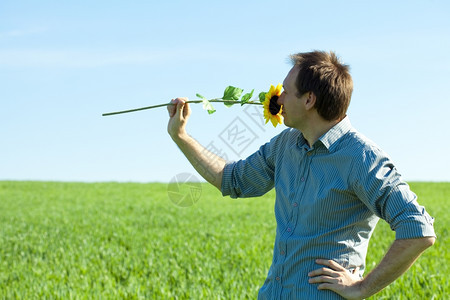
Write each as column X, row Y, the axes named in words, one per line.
column 332, row 185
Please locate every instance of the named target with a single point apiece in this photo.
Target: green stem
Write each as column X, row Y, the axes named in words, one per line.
column 166, row 104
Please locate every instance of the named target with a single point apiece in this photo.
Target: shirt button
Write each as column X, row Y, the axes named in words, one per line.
column 289, row 229
column 278, row 278
column 282, row 252
column 295, row 204
column 302, row 179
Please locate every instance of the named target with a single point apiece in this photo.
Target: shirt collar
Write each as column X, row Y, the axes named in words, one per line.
column 335, row 133
column 330, row 137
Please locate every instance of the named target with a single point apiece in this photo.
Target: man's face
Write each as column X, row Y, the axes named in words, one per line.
column 293, row 108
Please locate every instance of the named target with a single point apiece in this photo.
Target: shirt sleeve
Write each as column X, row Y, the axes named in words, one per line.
column 253, row 176
column 379, row 186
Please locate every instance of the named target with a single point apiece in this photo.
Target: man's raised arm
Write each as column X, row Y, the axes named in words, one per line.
column 207, row 164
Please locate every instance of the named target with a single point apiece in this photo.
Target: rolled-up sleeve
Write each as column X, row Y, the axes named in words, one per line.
column 253, row 176
column 379, row 185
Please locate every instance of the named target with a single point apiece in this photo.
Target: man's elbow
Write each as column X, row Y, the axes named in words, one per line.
column 425, row 242
column 420, row 244
column 429, row 241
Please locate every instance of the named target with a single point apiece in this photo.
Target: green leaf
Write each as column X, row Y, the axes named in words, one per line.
column 262, row 96
column 207, row 105
column 247, row 97
column 231, row 93
column 229, row 103
column 200, row 96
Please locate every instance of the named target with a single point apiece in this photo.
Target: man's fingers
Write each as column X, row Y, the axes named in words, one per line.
column 180, row 107
column 331, row 264
column 183, row 109
column 322, row 271
column 335, row 277
column 172, row 108
column 177, row 106
column 321, row 279
column 186, row 109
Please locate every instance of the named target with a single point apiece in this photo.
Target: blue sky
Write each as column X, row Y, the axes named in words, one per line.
column 63, row 64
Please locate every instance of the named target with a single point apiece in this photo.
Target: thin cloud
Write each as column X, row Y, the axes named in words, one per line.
column 99, row 58
column 22, row 32
column 74, row 59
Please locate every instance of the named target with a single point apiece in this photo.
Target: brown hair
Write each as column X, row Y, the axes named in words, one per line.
column 323, row 74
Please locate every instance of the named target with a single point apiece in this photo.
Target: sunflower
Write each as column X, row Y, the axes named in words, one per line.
column 272, row 111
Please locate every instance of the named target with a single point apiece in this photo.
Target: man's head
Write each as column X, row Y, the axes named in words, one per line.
column 328, row 79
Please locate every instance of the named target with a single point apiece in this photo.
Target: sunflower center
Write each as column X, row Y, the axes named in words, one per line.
column 274, row 108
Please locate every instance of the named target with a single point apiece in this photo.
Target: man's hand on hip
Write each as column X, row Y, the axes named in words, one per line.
column 338, row 279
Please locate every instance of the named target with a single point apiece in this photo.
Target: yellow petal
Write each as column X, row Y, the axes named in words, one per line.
column 274, row 122
column 267, row 118
column 278, row 89
column 271, row 91
column 280, row 119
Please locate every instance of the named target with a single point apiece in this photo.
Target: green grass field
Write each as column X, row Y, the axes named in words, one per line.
column 128, row 240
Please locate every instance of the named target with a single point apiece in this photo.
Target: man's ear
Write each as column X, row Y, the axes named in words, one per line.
column 310, row 101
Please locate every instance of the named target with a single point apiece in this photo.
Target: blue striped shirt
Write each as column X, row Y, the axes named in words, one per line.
column 329, row 197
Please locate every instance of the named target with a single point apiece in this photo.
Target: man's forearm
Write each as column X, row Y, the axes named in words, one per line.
column 208, row 165
column 402, row 254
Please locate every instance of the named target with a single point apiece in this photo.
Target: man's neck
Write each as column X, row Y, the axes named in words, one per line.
column 316, row 128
